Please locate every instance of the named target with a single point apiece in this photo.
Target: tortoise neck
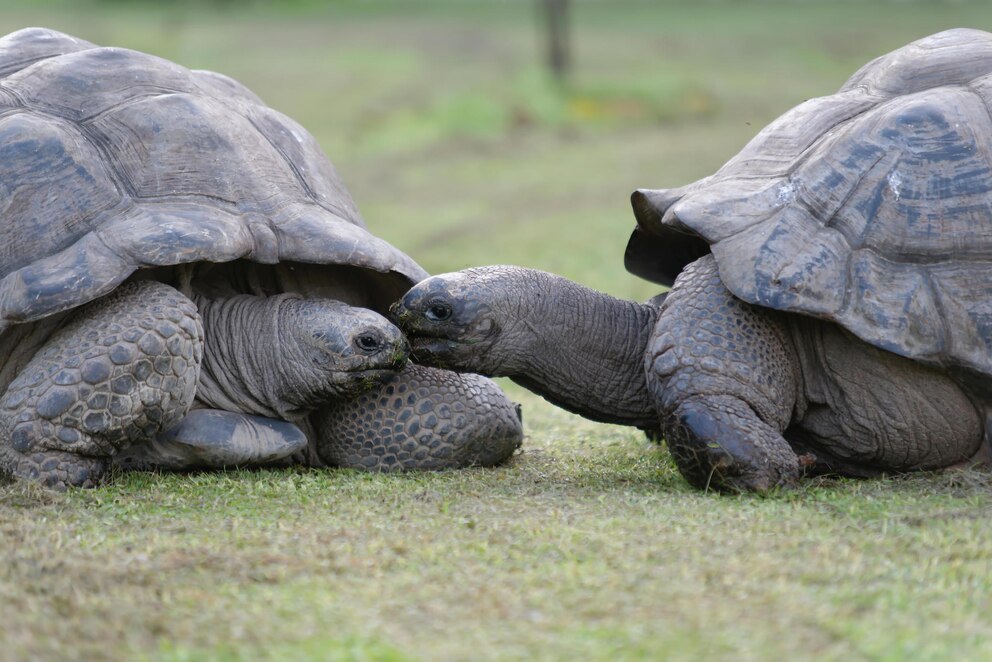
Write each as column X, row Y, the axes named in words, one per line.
column 584, row 351
column 240, row 371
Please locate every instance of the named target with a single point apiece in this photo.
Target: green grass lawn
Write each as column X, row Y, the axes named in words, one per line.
column 588, row 544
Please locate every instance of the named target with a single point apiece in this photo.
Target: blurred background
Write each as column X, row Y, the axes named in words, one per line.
column 513, row 131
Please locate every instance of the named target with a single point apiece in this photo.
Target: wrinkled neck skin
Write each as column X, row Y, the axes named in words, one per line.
column 250, row 364
column 581, row 350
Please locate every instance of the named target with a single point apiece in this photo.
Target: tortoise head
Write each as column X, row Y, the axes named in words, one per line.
column 468, row 321
column 332, row 350
column 284, row 355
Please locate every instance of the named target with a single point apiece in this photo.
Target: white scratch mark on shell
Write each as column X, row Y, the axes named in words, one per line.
column 895, row 181
column 786, row 192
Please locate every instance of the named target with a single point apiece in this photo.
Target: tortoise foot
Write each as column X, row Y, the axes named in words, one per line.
column 719, row 442
column 56, row 470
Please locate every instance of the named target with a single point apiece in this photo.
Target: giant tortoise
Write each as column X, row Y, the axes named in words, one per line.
column 831, row 301
column 185, row 281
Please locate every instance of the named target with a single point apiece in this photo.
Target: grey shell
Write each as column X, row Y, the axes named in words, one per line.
column 114, row 162
column 871, row 208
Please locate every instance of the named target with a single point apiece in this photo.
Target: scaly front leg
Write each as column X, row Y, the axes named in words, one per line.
column 124, row 369
column 725, row 378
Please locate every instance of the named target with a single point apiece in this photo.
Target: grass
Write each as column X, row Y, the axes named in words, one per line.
column 588, row 544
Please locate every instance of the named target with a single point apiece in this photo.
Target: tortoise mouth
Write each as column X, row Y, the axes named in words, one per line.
column 428, row 349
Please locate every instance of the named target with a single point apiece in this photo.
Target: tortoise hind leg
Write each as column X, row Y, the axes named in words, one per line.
column 424, row 418
column 122, row 370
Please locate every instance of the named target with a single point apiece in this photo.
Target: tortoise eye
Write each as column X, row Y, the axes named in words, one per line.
column 367, row 343
column 438, row 311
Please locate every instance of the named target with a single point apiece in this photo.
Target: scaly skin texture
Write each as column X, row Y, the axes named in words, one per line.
column 215, row 439
column 725, row 379
column 282, row 356
column 734, row 381
column 575, row 347
column 748, row 398
column 269, row 362
column 124, row 369
column 423, row 418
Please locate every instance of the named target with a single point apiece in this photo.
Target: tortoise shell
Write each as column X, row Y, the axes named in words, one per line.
column 114, row 161
column 871, row 208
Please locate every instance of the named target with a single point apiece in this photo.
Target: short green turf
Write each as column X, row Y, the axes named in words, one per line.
column 588, row 544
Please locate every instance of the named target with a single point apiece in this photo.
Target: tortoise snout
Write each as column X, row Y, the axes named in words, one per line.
column 400, row 353
column 404, row 313
column 396, row 313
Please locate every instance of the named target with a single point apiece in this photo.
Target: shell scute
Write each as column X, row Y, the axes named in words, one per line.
column 184, row 145
column 85, row 83
column 112, row 160
column 952, row 57
column 224, row 88
column 41, row 219
column 896, row 305
column 301, row 150
column 25, row 47
column 871, row 208
column 777, row 148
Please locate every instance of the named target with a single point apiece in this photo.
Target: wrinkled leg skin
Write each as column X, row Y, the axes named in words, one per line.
column 726, row 379
column 122, row 370
column 424, row 418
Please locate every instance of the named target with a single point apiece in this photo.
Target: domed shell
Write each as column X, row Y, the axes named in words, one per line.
column 113, row 161
column 871, row 208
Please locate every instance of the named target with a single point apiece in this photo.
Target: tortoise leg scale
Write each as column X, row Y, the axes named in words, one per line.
column 122, row 370
column 726, row 379
column 423, row 418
